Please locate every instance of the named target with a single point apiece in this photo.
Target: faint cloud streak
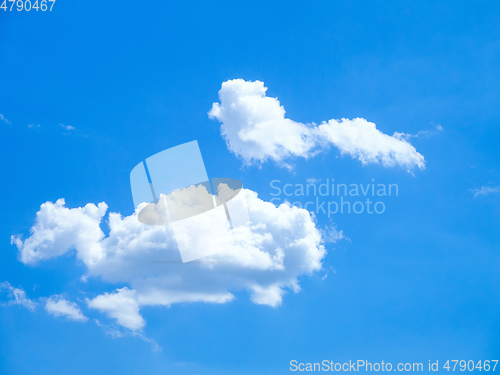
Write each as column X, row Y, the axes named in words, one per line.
column 485, row 190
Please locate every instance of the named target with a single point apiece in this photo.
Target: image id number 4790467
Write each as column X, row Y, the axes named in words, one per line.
column 27, row 5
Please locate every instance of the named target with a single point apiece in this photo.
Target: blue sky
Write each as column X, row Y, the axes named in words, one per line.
column 418, row 282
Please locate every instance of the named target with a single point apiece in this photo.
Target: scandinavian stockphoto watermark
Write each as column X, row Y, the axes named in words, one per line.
column 330, row 198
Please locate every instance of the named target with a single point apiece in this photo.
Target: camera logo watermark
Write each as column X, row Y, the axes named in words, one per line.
column 172, row 188
column 331, row 198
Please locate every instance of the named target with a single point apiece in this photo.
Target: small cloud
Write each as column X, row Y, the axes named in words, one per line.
column 67, row 127
column 58, row 306
column 115, row 331
column 34, row 126
column 330, row 269
column 110, row 329
column 421, row 133
column 330, row 234
column 4, row 119
column 17, row 296
column 485, row 190
column 313, row 181
column 429, row 133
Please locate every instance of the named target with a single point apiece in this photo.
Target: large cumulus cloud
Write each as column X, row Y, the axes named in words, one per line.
column 266, row 257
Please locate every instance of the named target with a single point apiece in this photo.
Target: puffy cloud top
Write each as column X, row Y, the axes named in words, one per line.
column 265, row 257
column 256, row 129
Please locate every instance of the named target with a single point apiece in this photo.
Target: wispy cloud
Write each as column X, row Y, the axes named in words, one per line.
column 485, row 190
column 17, row 296
column 313, row 180
column 67, row 127
column 116, row 331
column 4, row 119
column 331, row 234
column 422, row 133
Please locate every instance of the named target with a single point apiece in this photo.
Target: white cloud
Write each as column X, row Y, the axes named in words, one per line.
column 256, row 129
column 421, row 133
column 17, row 296
column 331, row 234
column 270, row 295
column 254, row 125
column 4, row 119
column 485, row 190
column 122, row 306
column 265, row 258
column 58, row 306
column 115, row 331
column 59, row 229
column 67, row 127
column 312, row 180
column 362, row 140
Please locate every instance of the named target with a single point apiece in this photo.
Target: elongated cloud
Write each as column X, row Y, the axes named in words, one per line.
column 17, row 296
column 4, row 119
column 485, row 190
column 266, row 257
column 255, row 128
column 60, row 307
